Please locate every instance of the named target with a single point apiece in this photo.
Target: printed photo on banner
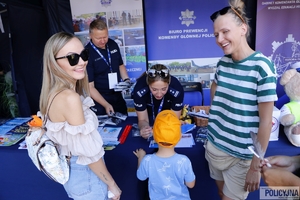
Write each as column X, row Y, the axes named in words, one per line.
column 191, row 70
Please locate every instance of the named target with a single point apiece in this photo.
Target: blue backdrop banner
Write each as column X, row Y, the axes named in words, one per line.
column 180, row 35
column 278, row 35
column 179, row 29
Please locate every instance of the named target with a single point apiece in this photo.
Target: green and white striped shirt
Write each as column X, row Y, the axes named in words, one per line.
column 234, row 111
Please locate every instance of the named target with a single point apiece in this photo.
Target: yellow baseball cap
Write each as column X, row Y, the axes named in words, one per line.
column 166, row 129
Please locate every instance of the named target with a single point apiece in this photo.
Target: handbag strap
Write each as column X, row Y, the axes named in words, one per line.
column 46, row 117
column 43, row 128
column 47, row 111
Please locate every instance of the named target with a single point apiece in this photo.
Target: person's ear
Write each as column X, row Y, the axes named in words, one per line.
column 244, row 29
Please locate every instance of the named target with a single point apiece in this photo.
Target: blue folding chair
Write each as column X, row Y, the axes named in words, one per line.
column 193, row 93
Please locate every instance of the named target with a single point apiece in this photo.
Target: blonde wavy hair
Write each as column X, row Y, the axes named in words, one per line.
column 55, row 79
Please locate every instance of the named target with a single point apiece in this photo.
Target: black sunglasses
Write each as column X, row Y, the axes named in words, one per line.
column 74, row 57
column 223, row 11
column 162, row 73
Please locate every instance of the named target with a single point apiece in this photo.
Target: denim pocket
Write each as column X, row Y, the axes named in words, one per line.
column 79, row 183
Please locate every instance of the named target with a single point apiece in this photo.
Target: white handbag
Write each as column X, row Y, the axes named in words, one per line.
column 44, row 153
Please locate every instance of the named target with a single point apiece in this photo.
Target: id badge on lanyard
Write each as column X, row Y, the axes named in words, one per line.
column 112, row 77
column 112, row 80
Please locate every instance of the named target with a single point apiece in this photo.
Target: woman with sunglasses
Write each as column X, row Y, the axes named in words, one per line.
column 65, row 106
column 243, row 94
column 156, row 90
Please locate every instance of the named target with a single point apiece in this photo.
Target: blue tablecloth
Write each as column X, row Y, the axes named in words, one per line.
column 21, row 180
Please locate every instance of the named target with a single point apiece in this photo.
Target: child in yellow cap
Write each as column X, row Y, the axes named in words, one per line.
column 169, row 173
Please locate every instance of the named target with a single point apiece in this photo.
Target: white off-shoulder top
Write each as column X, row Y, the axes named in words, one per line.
column 83, row 140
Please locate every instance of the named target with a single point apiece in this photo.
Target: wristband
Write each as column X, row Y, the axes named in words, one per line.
column 126, row 79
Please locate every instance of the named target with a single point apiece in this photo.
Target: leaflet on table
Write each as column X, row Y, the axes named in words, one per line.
column 186, row 141
column 22, row 145
column 13, row 131
column 109, row 145
column 17, row 125
column 2, row 121
column 10, row 139
column 113, row 119
column 200, row 113
column 118, row 116
column 18, row 121
column 187, row 127
column 109, row 133
column 135, row 130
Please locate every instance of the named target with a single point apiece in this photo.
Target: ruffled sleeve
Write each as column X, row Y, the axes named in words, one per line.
column 83, row 140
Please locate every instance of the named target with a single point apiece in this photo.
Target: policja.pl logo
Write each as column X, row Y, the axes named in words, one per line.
column 277, row 192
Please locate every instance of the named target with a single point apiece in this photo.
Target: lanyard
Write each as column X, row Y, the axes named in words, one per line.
column 108, row 53
column 160, row 106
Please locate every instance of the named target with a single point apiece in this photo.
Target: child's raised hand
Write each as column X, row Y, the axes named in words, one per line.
column 140, row 153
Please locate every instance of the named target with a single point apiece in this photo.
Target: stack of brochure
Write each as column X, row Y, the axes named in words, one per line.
column 121, row 86
column 13, row 131
column 113, row 119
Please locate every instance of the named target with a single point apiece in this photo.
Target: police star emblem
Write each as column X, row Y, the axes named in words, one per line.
column 105, row 3
column 187, row 17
